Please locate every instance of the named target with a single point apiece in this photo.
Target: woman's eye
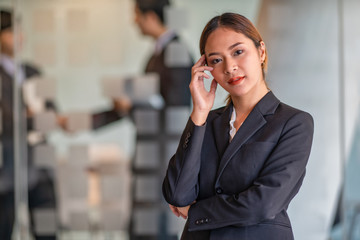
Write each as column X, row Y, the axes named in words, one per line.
column 238, row 52
column 215, row 61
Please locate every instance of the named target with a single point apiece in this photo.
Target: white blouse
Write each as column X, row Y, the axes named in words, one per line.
column 232, row 127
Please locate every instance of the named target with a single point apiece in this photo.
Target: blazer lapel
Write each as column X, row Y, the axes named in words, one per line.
column 252, row 124
column 221, row 130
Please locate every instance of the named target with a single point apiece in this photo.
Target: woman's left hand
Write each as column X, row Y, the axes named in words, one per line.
column 180, row 211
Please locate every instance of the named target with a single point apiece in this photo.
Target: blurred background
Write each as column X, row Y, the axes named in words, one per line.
column 87, row 127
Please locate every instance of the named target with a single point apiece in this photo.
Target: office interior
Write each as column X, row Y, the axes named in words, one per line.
column 88, row 49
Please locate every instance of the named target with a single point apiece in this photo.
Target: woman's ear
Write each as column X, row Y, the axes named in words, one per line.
column 262, row 51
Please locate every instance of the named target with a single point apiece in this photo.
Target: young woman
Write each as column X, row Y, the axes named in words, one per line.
column 238, row 167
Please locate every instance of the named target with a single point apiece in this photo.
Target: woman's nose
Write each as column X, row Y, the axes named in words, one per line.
column 230, row 66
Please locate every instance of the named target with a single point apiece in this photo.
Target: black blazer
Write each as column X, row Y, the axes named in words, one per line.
column 7, row 107
column 242, row 189
column 7, row 124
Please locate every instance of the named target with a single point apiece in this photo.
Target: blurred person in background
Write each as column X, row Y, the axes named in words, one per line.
column 174, row 81
column 40, row 180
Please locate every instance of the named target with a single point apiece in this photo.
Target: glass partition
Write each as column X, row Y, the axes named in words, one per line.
column 87, row 131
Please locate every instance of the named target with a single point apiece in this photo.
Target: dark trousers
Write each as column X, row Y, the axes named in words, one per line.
column 41, row 196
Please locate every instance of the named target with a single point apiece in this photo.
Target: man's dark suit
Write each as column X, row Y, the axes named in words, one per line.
column 41, row 182
column 174, row 81
column 242, row 189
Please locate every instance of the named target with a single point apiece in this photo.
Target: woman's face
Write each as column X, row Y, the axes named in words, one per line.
column 236, row 61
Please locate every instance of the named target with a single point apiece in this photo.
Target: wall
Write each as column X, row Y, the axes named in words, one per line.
column 305, row 71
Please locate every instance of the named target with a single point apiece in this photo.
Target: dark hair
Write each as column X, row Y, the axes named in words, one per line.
column 239, row 24
column 157, row 6
column 5, row 20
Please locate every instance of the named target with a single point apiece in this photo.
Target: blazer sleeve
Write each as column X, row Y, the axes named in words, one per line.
column 271, row 192
column 105, row 118
column 180, row 186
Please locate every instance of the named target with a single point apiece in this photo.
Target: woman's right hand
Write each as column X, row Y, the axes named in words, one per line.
column 203, row 100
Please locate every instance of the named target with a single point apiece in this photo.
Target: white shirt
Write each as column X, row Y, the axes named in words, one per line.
column 163, row 40
column 232, row 131
column 9, row 66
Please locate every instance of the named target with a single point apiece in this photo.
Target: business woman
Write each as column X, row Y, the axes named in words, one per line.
column 238, row 167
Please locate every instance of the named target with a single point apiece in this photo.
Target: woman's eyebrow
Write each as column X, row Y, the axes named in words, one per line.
column 234, row 45
column 231, row 47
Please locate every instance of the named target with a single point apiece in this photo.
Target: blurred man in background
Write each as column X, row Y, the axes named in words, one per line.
column 172, row 63
column 174, row 80
column 40, row 180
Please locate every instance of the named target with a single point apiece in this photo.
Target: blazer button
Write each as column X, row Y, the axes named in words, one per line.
column 197, row 222
column 207, row 220
column 185, row 145
column 219, row 190
column 201, row 221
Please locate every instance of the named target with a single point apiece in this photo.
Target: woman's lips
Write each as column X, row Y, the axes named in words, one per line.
column 235, row 80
